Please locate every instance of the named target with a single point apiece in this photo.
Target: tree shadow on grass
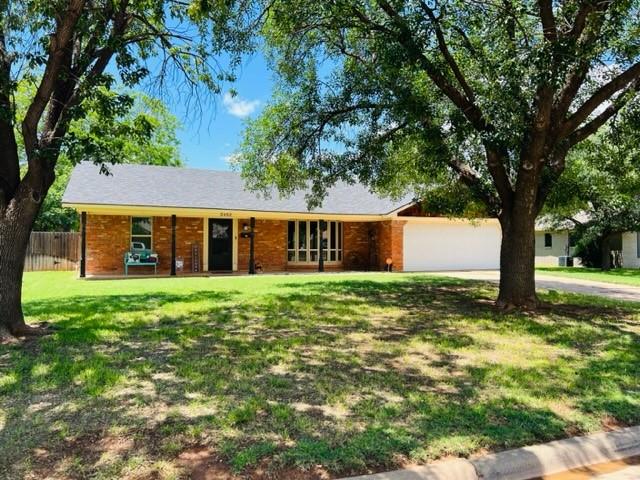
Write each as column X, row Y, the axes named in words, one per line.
column 353, row 375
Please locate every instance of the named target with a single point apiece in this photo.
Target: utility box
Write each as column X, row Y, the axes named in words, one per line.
column 565, row 261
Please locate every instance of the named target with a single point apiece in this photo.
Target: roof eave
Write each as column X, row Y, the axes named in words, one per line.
column 110, row 209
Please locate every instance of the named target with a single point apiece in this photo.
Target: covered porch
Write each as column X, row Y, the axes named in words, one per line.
column 202, row 243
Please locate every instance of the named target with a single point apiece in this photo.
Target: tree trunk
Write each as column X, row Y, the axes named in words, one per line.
column 517, row 262
column 605, row 253
column 15, row 228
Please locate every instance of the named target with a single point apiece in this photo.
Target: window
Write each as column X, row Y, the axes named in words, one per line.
column 548, row 240
column 141, row 228
column 303, row 241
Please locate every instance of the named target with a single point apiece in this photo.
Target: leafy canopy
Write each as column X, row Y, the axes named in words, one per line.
column 78, row 61
column 425, row 96
column 145, row 134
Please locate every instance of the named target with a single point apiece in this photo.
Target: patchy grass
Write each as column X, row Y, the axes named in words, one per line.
column 624, row 276
column 301, row 376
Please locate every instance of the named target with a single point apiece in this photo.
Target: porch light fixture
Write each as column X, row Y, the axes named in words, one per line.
column 247, row 231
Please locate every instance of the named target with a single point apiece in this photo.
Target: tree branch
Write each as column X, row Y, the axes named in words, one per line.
column 469, row 109
column 444, row 49
column 495, row 165
column 549, row 31
column 472, row 179
column 9, row 161
column 58, row 44
column 577, row 75
column 69, row 93
column 598, row 98
column 592, row 126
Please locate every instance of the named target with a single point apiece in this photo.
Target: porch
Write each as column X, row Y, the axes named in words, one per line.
column 230, row 243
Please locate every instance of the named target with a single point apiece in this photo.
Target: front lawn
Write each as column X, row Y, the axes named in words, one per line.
column 624, row 276
column 301, row 376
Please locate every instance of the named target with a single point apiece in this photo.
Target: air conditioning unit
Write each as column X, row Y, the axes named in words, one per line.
column 565, row 261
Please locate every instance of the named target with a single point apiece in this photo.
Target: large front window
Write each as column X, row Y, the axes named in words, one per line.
column 303, row 243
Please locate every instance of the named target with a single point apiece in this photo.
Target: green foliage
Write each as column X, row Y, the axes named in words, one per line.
column 412, row 96
column 601, row 186
column 144, row 133
column 78, row 100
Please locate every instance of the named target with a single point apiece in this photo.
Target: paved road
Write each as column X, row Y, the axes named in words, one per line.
column 629, row 473
column 588, row 287
column 613, row 471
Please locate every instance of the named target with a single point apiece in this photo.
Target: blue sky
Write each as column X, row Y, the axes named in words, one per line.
column 210, row 138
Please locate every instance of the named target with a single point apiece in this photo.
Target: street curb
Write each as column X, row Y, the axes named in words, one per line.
column 559, row 456
column 528, row 462
column 456, row 469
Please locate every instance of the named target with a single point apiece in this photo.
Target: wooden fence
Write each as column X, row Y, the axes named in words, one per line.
column 53, row 251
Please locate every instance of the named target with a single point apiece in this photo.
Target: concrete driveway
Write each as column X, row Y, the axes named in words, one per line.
column 573, row 285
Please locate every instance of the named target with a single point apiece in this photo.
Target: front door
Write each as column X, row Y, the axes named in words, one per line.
column 220, row 244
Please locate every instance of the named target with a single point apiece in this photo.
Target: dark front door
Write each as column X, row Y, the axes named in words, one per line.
column 220, row 244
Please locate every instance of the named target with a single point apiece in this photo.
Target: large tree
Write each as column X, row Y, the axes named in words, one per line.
column 407, row 94
column 74, row 52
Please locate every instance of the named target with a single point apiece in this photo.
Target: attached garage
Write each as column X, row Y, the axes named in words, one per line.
column 444, row 244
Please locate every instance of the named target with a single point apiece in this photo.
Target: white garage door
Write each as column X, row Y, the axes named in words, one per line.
column 451, row 246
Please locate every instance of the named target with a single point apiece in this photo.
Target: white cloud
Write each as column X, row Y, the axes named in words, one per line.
column 239, row 107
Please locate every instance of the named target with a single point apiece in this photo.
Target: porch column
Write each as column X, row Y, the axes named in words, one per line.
column 322, row 226
column 252, row 262
column 83, row 245
column 173, row 245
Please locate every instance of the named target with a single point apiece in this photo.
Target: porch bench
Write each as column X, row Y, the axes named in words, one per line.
column 140, row 257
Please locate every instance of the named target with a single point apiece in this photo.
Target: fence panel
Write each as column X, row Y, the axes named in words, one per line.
column 53, row 251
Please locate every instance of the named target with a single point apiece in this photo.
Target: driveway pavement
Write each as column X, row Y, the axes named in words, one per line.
column 573, row 285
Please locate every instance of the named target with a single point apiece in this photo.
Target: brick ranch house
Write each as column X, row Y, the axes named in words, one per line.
column 201, row 221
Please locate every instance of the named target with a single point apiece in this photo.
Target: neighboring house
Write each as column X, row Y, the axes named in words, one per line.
column 201, row 219
column 630, row 246
column 554, row 241
column 550, row 246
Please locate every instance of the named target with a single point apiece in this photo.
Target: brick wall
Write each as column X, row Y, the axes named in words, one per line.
column 270, row 245
column 356, row 251
column 189, row 230
column 390, row 240
column 108, row 238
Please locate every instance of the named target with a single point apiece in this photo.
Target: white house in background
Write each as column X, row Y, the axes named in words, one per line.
column 553, row 242
column 550, row 246
column 631, row 249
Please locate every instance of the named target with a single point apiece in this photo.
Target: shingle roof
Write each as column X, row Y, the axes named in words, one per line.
column 548, row 223
column 154, row 186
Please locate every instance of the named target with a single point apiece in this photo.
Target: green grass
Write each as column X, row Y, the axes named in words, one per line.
column 624, row 276
column 149, row 378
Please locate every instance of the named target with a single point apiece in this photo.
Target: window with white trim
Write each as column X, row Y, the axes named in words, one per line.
column 303, row 241
column 142, row 231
